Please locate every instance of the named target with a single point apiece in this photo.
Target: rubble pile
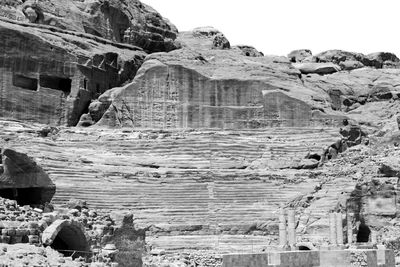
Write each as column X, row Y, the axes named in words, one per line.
column 201, row 258
column 22, row 227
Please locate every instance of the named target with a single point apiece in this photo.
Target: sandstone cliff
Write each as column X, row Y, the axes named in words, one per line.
column 204, row 143
column 129, row 22
column 51, row 76
column 203, row 86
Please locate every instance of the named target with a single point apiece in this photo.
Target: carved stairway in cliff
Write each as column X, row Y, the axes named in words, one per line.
column 190, row 185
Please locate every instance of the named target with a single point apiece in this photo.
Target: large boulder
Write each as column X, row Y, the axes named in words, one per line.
column 299, row 55
column 22, row 173
column 317, row 68
column 249, row 51
column 338, row 56
column 131, row 22
column 385, row 59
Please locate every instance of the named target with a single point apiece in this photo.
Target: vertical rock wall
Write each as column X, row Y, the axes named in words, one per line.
column 51, row 77
column 173, row 96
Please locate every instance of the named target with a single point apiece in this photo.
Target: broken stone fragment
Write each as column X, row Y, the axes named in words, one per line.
column 299, row 55
column 31, row 14
column 85, row 121
column 221, row 42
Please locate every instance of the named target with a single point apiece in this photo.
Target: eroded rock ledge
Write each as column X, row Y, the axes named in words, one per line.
column 130, row 22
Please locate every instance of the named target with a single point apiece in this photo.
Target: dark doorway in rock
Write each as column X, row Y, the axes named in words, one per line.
column 363, row 233
column 57, row 83
column 304, row 248
column 25, row 82
column 314, row 156
column 23, row 196
column 64, row 244
column 67, row 238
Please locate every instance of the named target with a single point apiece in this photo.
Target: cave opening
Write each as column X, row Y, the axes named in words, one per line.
column 304, row 248
column 23, row 196
column 314, row 156
column 363, row 233
column 56, row 83
column 25, row 82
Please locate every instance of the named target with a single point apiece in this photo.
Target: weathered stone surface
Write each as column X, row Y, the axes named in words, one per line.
column 129, row 22
column 317, row 68
column 190, row 191
column 85, row 121
column 221, row 42
column 249, row 51
column 338, row 56
column 190, row 186
column 51, row 76
column 350, row 65
column 217, row 89
column 385, row 59
column 21, row 172
column 299, row 55
column 376, row 60
column 358, row 90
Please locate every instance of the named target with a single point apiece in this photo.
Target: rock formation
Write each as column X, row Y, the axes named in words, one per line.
column 23, row 180
column 200, row 87
column 51, row 76
column 130, row 22
column 204, row 141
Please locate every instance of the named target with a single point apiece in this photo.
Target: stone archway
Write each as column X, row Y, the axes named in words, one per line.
column 67, row 237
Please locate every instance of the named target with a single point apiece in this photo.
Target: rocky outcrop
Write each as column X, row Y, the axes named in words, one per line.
column 358, row 91
column 249, row 51
column 300, row 55
column 317, row 68
column 198, row 86
column 23, row 180
column 376, row 60
column 130, row 22
column 51, row 76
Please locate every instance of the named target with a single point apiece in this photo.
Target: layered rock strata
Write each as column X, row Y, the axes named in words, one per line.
column 201, row 87
column 51, row 76
column 131, row 22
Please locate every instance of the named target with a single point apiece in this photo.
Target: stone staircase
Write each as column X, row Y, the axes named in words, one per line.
column 185, row 185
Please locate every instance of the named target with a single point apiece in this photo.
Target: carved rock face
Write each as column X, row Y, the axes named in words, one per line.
column 212, row 88
column 129, row 22
column 54, row 82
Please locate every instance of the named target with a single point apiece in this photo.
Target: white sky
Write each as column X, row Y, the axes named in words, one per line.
column 277, row 27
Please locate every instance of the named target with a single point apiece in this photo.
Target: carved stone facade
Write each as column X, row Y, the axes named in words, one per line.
column 48, row 78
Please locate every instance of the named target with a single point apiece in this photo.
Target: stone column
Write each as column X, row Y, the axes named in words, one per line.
column 291, row 228
column 282, row 229
column 349, row 228
column 332, row 228
column 339, row 228
column 373, row 237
